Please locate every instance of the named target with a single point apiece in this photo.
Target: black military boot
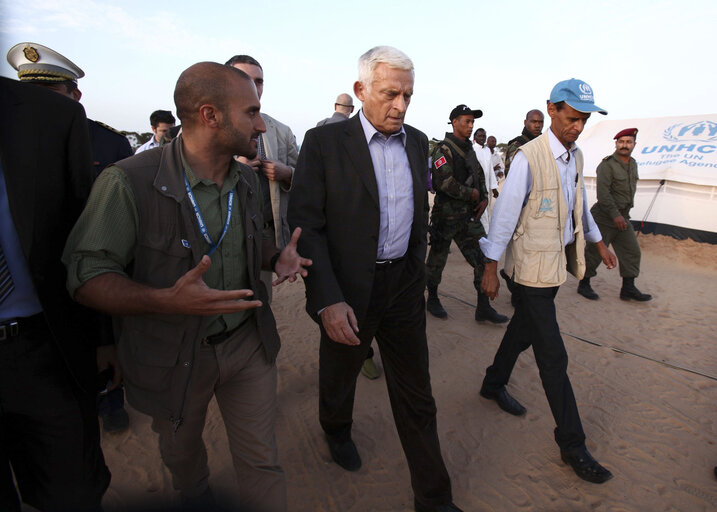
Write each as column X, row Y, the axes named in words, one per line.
column 433, row 305
column 630, row 292
column 586, row 290
column 484, row 311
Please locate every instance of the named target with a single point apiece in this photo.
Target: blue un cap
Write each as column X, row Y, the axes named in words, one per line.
column 577, row 94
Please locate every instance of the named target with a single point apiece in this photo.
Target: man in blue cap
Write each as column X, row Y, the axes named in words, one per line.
column 541, row 222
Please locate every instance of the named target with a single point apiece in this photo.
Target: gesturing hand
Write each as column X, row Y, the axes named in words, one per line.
column 190, row 295
column 340, row 323
column 290, row 262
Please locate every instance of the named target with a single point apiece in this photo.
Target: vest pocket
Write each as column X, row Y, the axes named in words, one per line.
column 164, row 256
column 149, row 355
column 537, row 256
column 546, row 204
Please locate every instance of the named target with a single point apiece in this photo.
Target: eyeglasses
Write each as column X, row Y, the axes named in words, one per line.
column 342, row 105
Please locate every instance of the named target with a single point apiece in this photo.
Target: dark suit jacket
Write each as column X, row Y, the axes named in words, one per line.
column 108, row 146
column 334, row 199
column 45, row 152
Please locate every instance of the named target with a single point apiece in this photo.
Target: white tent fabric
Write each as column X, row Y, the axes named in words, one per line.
column 682, row 151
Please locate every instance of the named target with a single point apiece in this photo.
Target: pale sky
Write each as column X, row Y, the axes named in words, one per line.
column 642, row 59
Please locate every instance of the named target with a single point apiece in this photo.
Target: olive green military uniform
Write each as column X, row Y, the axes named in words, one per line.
column 616, row 185
column 455, row 172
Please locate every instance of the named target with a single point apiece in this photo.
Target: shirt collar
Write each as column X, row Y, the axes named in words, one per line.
column 370, row 131
column 559, row 151
column 229, row 182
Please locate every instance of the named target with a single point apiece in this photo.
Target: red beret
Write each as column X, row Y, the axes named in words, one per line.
column 627, row 132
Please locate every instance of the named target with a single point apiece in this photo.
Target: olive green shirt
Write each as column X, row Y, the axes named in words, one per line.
column 104, row 238
column 616, row 185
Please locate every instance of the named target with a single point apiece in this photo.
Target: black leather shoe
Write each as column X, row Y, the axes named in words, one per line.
column 434, row 307
column 585, row 466
column 586, row 290
column 488, row 313
column 634, row 294
column 448, row 507
column 505, row 401
column 344, row 454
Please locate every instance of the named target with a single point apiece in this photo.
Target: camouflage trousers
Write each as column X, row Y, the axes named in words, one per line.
column 466, row 234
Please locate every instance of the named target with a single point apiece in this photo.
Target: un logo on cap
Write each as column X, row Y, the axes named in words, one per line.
column 585, row 88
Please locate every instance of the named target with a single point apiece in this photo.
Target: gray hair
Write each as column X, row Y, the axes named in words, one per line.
column 388, row 55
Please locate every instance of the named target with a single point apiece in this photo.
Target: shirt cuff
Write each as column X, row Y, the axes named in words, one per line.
column 593, row 236
column 490, row 250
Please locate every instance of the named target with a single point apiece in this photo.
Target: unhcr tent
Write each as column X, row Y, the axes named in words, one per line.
column 677, row 164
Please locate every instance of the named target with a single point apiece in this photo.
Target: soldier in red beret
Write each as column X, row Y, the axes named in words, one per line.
column 616, row 184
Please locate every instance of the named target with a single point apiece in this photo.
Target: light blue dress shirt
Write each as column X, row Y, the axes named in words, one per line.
column 23, row 301
column 395, row 189
column 514, row 197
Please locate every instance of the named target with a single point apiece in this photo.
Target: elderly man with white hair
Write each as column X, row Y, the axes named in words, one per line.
column 360, row 198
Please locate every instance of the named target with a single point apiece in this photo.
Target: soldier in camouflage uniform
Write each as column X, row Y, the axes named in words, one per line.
column 461, row 198
column 532, row 127
column 616, row 184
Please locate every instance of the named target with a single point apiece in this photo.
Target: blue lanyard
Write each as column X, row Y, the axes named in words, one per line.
column 200, row 220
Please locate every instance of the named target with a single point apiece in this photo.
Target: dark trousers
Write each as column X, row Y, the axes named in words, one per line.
column 49, row 433
column 534, row 323
column 396, row 318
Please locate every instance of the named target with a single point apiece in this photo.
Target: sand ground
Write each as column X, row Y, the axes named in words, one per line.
column 644, row 374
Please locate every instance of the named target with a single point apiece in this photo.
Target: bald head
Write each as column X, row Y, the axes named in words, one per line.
column 344, row 104
column 205, row 83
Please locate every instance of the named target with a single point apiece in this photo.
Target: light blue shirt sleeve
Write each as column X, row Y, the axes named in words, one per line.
column 590, row 229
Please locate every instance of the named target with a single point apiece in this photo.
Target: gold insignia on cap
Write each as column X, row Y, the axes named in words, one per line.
column 31, row 54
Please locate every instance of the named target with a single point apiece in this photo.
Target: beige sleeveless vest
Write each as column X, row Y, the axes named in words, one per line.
column 536, row 256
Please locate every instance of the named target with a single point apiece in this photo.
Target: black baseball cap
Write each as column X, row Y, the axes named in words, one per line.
column 463, row 110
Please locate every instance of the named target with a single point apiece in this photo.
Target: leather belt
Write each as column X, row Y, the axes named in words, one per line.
column 216, row 339
column 389, row 262
column 13, row 328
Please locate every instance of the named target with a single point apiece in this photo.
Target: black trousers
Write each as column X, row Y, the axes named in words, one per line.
column 49, row 433
column 534, row 323
column 397, row 319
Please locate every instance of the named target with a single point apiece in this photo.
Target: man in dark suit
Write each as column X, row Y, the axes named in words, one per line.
column 359, row 195
column 49, row 434
column 36, row 64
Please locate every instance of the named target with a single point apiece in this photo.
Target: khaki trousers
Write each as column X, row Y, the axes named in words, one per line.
column 237, row 374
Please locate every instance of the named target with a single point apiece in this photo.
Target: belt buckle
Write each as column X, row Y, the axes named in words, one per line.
column 9, row 330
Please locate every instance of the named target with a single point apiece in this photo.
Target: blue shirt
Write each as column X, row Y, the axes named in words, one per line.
column 23, row 301
column 395, row 189
column 514, row 197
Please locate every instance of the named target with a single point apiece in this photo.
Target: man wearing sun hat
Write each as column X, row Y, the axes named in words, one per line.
column 461, row 199
column 616, row 185
column 541, row 222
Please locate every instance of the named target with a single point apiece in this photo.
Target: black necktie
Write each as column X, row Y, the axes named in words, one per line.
column 6, row 284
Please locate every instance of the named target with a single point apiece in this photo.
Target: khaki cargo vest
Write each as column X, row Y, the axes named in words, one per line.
column 536, row 256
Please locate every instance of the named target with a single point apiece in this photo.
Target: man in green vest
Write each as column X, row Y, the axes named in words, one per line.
column 541, row 223
column 171, row 244
column 616, row 185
